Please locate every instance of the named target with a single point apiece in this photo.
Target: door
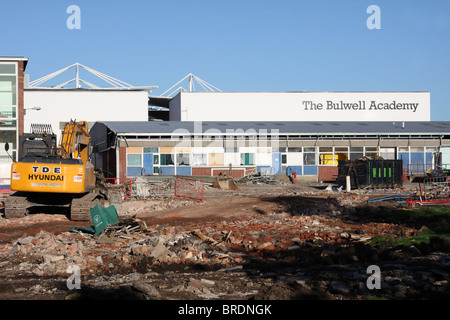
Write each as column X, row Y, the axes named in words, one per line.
column 276, row 163
column 148, row 163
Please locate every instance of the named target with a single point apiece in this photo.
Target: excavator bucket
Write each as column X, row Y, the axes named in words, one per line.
column 225, row 183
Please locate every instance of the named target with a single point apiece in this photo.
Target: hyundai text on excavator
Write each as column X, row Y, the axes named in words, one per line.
column 54, row 176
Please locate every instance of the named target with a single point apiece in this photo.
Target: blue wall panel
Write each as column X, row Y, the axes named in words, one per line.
column 134, row 171
column 167, row 170
column 310, row 170
column 184, row 171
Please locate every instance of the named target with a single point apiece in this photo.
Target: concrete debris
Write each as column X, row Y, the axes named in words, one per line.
column 273, row 251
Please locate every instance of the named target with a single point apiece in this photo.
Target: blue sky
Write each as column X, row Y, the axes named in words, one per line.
column 247, row 45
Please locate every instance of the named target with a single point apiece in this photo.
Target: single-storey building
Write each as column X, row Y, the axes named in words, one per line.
column 311, row 149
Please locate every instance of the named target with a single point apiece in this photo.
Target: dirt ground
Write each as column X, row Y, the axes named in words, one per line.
column 258, row 242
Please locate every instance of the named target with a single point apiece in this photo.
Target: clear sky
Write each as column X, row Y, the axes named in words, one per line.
column 242, row 45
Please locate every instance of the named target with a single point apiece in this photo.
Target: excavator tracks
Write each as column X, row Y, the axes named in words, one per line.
column 19, row 204
column 80, row 208
column 16, row 206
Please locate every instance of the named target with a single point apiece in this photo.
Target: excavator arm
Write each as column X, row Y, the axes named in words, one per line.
column 75, row 140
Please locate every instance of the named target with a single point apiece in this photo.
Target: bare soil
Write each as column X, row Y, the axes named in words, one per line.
column 264, row 221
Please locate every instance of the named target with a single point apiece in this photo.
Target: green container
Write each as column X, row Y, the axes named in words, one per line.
column 101, row 217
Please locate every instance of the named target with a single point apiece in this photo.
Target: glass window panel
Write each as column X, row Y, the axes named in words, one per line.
column 7, row 90
column 155, row 159
column 150, row 150
column 278, row 149
column 7, row 112
column 326, row 159
column 326, row 149
column 356, row 149
column 356, row 155
column 294, row 149
column 416, row 149
column 7, row 123
column 371, row 154
column 247, row 159
column 7, row 137
column 371, row 149
column 309, row 149
column 341, row 149
column 403, row 149
column 7, row 68
column 134, row 159
column 309, row 159
column 167, row 160
column 183, row 159
column 283, row 159
column 199, row 160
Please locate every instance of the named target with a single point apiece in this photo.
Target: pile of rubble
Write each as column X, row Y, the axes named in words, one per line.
column 269, row 237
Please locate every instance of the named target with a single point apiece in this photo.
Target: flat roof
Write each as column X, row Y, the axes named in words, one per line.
column 288, row 127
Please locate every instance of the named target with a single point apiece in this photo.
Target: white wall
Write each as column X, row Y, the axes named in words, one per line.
column 301, row 106
column 83, row 105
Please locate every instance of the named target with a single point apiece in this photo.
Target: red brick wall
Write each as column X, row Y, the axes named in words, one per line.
column 328, row 173
column 122, row 162
column 201, row 171
column 20, row 97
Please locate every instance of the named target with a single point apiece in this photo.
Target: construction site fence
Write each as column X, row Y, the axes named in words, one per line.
column 148, row 187
column 423, row 168
column 432, row 191
column 189, row 188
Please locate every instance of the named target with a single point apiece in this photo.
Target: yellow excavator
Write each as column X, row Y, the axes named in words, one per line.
column 54, row 176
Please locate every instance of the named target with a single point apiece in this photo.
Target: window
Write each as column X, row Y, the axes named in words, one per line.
column 283, row 158
column 134, row 160
column 150, row 150
column 356, row 153
column 340, row 153
column 8, row 68
column 8, row 111
column 279, row 149
column 371, row 151
column 326, row 156
column 7, row 90
column 309, row 156
column 247, row 159
column 183, row 159
column 309, row 159
column 167, row 159
column 387, row 153
column 199, row 159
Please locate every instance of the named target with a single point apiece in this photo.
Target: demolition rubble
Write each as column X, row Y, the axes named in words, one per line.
column 251, row 243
